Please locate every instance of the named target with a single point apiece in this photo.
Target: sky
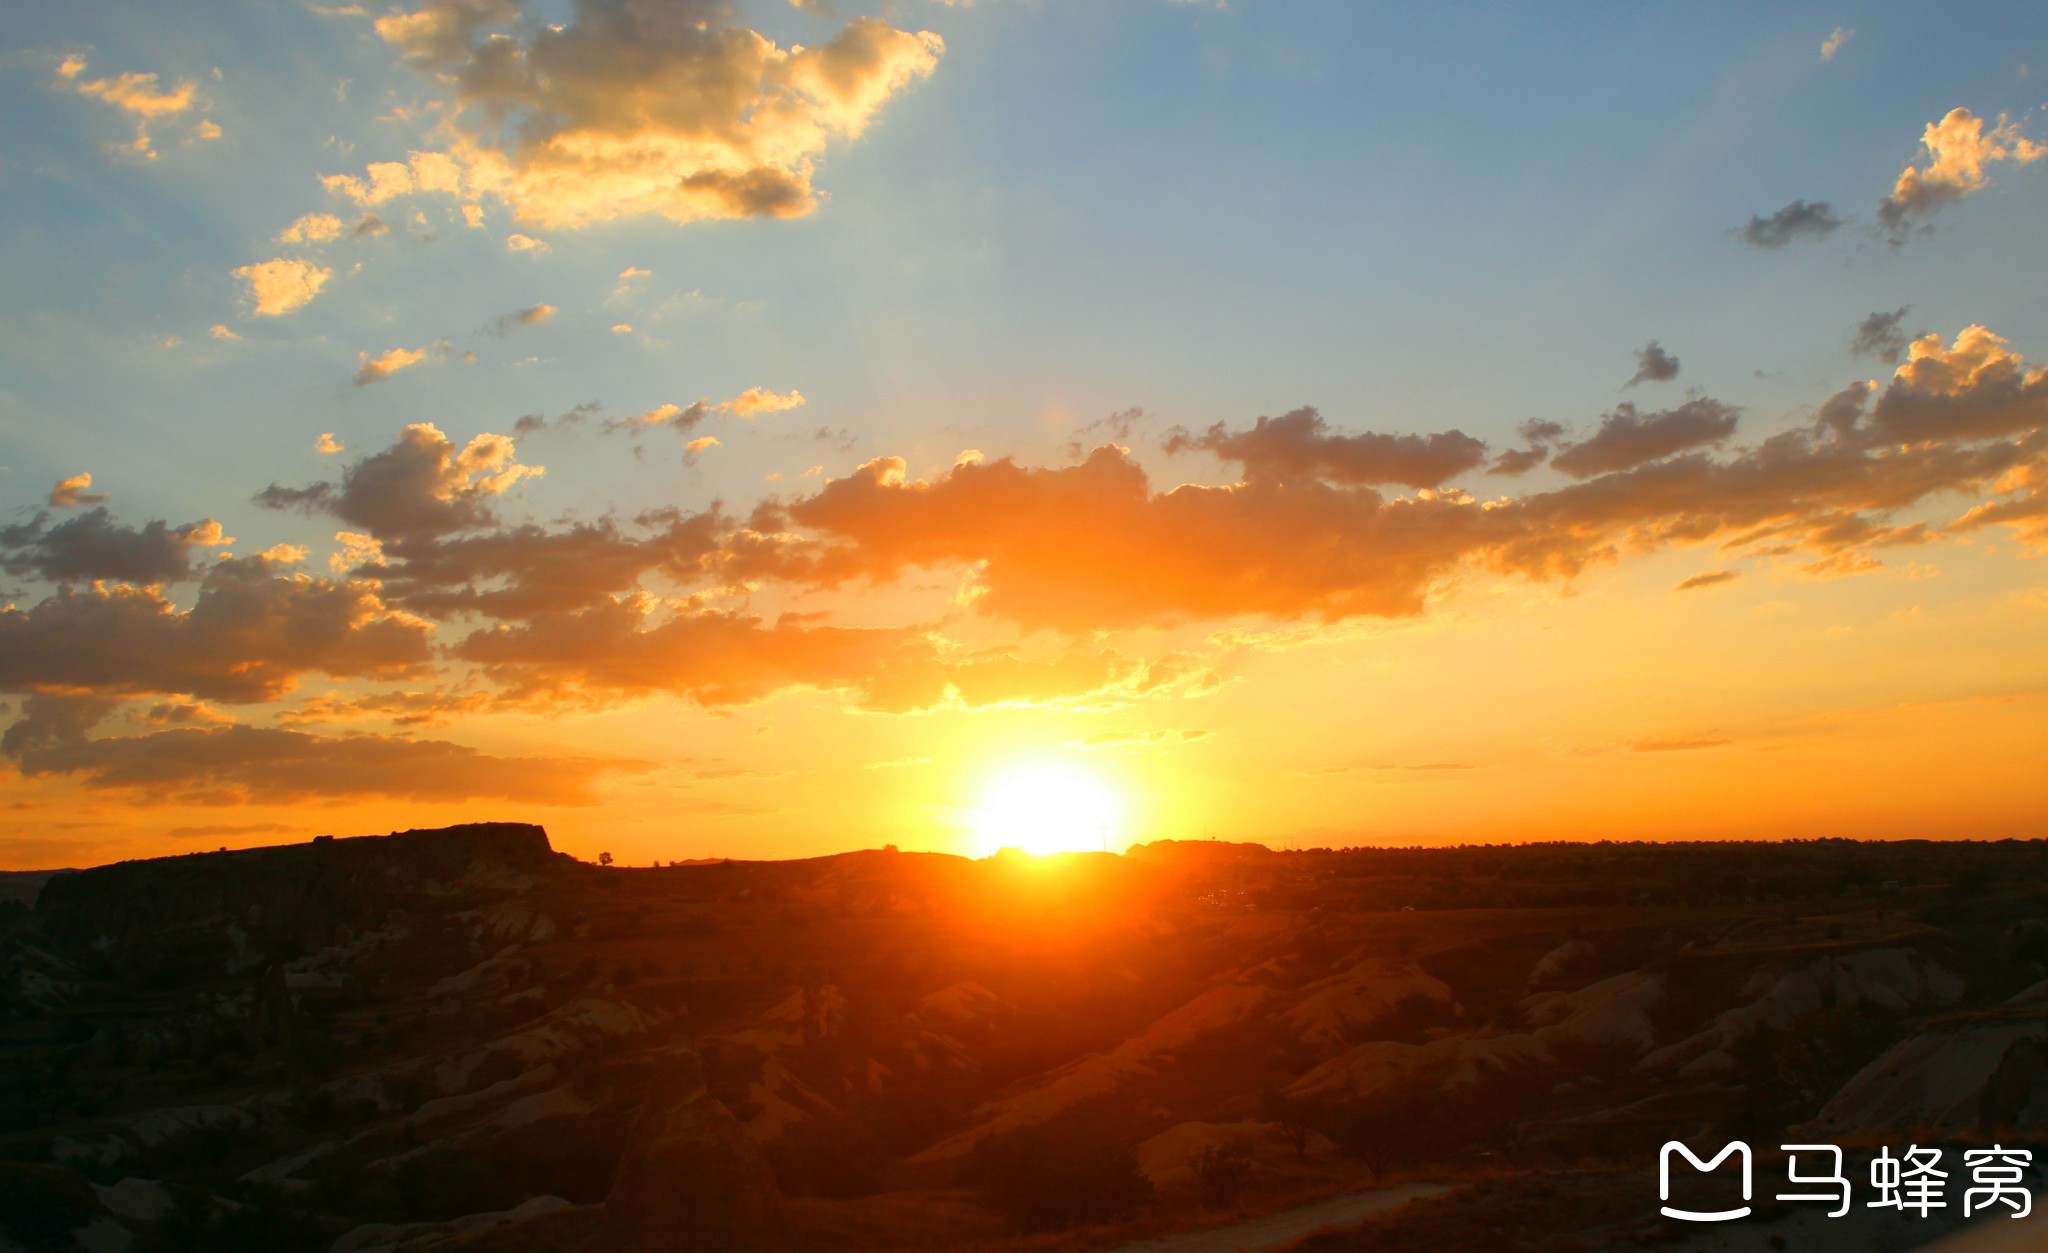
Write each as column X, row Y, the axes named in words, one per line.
column 768, row 429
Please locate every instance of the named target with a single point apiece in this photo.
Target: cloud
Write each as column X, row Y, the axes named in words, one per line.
column 282, row 284
column 1299, row 445
column 1142, row 739
column 1708, row 579
column 327, row 445
column 564, row 613
column 533, row 315
column 1959, row 151
column 521, row 572
column 681, row 417
column 434, row 546
column 1538, row 435
column 1089, row 547
column 1654, row 365
column 311, row 228
column 1833, row 43
column 219, row 331
column 54, row 718
column 74, row 491
column 136, row 94
column 748, row 404
column 1115, row 427
column 251, row 631
column 1975, row 389
column 422, row 486
column 1676, row 746
column 525, row 243
column 92, row 546
column 1628, row 437
column 377, row 369
column 1796, row 222
column 264, row 765
column 634, row 108
column 1880, row 336
column 758, row 400
column 431, row 707
column 620, row 647
column 1092, row 547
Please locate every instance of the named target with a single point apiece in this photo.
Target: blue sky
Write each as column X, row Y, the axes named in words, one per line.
column 1411, row 219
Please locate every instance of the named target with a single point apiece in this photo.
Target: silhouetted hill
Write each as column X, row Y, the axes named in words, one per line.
column 461, row 1038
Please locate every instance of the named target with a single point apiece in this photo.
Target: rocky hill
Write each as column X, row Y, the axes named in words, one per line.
column 460, row 1038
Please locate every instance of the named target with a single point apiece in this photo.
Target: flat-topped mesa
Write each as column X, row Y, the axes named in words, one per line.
column 308, row 891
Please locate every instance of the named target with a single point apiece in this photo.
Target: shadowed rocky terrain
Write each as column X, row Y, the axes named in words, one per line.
column 463, row 1039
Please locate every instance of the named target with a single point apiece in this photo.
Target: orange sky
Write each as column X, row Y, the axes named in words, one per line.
column 786, row 432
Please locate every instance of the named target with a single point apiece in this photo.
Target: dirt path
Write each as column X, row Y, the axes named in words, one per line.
column 1278, row 1230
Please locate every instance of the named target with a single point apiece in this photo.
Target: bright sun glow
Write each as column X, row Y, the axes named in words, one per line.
column 1046, row 807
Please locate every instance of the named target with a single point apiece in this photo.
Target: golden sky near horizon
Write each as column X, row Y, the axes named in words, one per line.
column 750, row 431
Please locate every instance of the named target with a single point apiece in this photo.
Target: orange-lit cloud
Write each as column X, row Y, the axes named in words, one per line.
column 282, row 284
column 625, row 647
column 1959, row 150
column 1709, row 578
column 311, row 228
column 636, row 108
column 382, row 366
column 140, row 95
column 759, row 400
column 74, row 491
column 584, row 613
column 244, row 764
column 1092, row 546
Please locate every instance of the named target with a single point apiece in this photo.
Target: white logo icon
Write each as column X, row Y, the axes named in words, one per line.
column 1694, row 1216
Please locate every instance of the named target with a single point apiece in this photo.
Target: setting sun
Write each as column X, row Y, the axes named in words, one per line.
column 1047, row 807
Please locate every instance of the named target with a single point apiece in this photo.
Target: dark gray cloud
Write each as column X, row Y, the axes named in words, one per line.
column 1537, row 435
column 248, row 636
column 1628, row 437
column 1300, row 446
column 1117, row 426
column 55, row 718
column 420, row 487
column 1880, row 335
column 519, row 319
column 1796, row 222
column 518, row 572
column 93, row 546
column 1654, row 365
